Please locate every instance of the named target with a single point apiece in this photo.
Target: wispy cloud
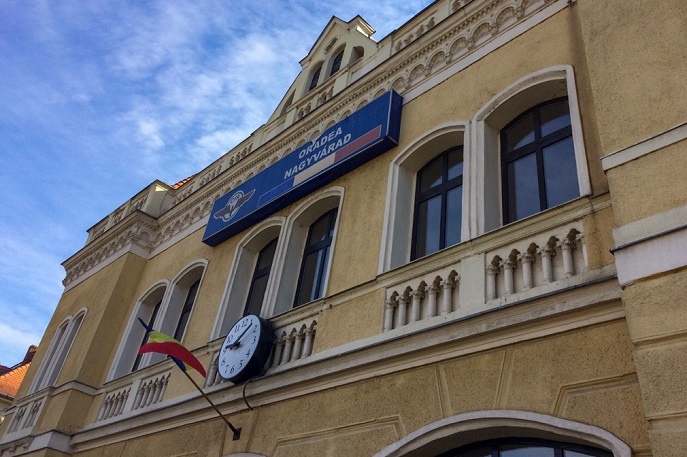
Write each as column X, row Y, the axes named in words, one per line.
column 101, row 98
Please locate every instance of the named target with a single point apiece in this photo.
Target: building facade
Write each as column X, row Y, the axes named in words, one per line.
column 497, row 268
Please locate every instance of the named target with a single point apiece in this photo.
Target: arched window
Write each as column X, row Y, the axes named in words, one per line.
column 528, row 152
column 308, row 240
column 150, row 322
column 336, row 63
column 538, row 160
column 54, row 359
column 315, row 78
column 186, row 310
column 261, row 275
column 312, row 275
column 249, row 274
column 438, row 203
column 428, row 172
column 148, row 309
column 514, row 447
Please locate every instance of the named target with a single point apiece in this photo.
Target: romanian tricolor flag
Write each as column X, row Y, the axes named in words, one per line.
column 164, row 344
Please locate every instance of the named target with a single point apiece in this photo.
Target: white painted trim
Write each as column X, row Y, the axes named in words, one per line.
column 503, row 423
column 133, row 321
column 393, row 235
column 278, row 288
column 650, row 226
column 477, row 179
column 658, row 254
column 230, row 290
column 644, row 147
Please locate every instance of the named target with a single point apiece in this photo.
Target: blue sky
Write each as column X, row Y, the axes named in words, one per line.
column 99, row 98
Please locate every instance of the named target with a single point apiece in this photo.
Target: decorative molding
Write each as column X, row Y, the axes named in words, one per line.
column 465, row 428
column 644, row 147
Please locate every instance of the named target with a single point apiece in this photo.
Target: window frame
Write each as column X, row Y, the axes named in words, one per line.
column 259, row 273
column 337, row 62
column 536, row 147
column 314, row 79
column 56, row 356
column 322, row 246
column 441, row 190
column 558, row 447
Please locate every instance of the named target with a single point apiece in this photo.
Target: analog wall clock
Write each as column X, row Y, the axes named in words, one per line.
column 246, row 349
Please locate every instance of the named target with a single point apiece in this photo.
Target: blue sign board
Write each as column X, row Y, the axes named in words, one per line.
column 362, row 136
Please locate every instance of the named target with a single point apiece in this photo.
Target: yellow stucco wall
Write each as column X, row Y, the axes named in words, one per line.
column 586, row 375
column 665, row 169
column 636, row 71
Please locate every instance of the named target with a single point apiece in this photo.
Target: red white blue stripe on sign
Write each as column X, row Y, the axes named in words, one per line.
column 362, row 136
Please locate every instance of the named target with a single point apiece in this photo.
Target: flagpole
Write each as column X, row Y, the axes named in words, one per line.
column 237, row 431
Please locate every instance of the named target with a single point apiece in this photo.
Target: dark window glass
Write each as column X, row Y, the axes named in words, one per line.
column 315, row 258
column 538, row 160
column 438, row 204
column 258, row 284
column 151, row 321
column 336, row 64
column 186, row 311
column 525, row 447
column 315, row 78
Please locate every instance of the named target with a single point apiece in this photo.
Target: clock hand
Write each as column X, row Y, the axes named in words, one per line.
column 236, row 343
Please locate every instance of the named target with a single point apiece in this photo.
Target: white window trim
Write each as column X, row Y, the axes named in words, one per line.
column 168, row 317
column 240, row 275
column 283, row 281
column 125, row 345
column 58, row 351
column 477, row 180
column 398, row 212
column 470, row 427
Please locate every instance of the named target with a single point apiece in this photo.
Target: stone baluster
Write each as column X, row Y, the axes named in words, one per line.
column 526, row 260
column 418, row 295
column 138, row 398
column 401, row 311
column 288, row 344
column 447, row 285
column 298, row 345
column 278, row 349
column 492, row 271
column 152, row 389
column 508, row 268
column 309, row 339
column 567, row 247
column 158, row 391
column 120, row 404
column 547, row 253
column 101, row 412
column 211, row 378
column 432, row 300
column 389, row 307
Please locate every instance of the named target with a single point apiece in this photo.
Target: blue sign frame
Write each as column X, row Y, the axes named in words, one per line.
column 362, row 136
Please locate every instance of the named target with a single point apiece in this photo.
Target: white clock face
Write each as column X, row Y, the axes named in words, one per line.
column 239, row 347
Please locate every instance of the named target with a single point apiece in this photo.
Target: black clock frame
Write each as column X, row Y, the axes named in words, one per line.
column 258, row 360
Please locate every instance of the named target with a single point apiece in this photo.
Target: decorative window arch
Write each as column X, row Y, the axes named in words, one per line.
column 314, row 78
column 463, row 429
column 148, row 309
column 336, row 61
column 57, row 352
column 399, row 211
column 243, row 267
column 485, row 185
column 438, row 203
column 175, row 314
column 290, row 249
